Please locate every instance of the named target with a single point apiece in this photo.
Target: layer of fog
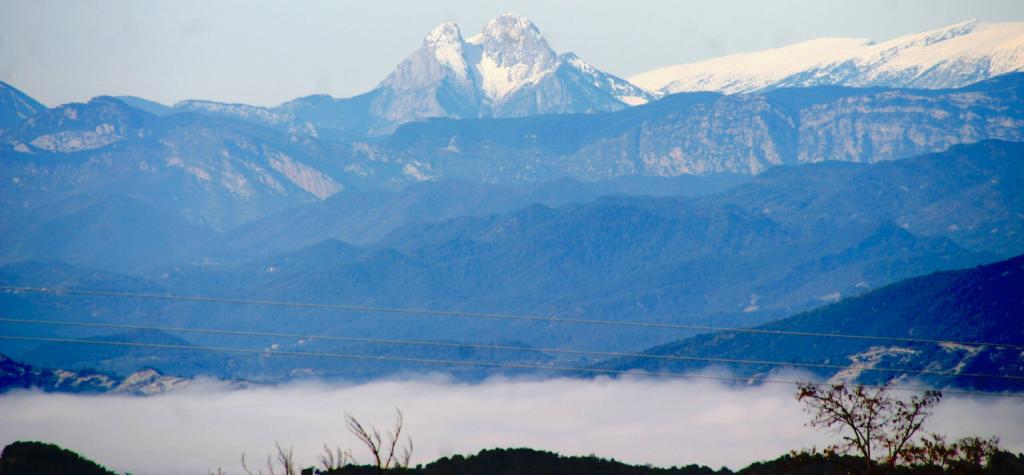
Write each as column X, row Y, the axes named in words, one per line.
column 634, row 420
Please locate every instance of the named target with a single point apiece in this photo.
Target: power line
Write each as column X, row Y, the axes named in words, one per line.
column 444, row 362
column 492, row 316
column 444, row 344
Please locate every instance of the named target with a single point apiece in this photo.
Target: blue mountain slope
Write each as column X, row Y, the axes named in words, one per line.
column 982, row 304
column 726, row 258
column 366, row 217
column 783, row 243
column 222, row 173
column 147, row 105
column 688, row 133
column 969, row 194
column 16, row 106
column 185, row 174
column 707, row 133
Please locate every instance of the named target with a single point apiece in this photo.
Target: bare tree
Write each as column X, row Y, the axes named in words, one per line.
column 390, row 450
column 335, row 459
column 872, row 423
column 245, row 467
column 285, row 458
column 385, row 449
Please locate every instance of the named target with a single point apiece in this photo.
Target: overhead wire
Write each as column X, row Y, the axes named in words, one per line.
column 494, row 316
column 446, row 362
column 497, row 347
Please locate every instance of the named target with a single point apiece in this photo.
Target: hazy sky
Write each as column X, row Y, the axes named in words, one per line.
column 265, row 52
column 638, row 421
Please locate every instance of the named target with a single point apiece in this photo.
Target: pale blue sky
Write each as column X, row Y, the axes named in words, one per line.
column 265, row 52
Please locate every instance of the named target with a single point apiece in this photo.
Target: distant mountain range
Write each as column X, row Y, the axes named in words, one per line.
column 212, row 171
column 103, row 162
column 508, row 70
column 789, row 240
column 948, row 57
column 118, row 186
column 708, row 133
column 982, row 304
column 492, row 174
column 367, row 217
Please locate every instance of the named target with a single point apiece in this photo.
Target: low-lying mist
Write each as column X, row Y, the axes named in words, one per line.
column 640, row 421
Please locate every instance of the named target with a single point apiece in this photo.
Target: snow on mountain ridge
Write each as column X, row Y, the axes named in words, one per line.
column 447, row 44
column 947, row 57
column 513, row 54
column 744, row 72
column 619, row 88
column 508, row 55
column 942, row 34
column 507, row 70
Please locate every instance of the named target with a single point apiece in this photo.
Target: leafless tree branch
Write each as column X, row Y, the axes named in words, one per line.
column 386, row 450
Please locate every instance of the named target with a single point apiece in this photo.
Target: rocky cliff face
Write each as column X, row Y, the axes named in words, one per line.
column 707, row 133
column 434, row 81
column 743, row 134
column 896, row 124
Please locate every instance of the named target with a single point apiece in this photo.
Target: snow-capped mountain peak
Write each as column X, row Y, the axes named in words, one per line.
column 509, row 27
column 444, row 33
column 507, row 70
column 513, row 53
column 947, row 57
column 446, row 43
column 942, row 34
column 511, row 39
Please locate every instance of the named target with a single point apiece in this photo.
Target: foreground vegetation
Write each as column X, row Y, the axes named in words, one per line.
column 37, row 458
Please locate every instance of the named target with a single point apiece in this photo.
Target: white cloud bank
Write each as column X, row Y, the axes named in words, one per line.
column 634, row 420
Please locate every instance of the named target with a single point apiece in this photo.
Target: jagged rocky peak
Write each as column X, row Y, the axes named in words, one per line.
column 434, row 81
column 511, row 39
column 441, row 55
column 446, row 44
column 508, row 70
column 446, row 34
column 513, row 53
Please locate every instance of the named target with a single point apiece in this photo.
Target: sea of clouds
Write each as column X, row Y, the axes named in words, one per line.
column 636, row 420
